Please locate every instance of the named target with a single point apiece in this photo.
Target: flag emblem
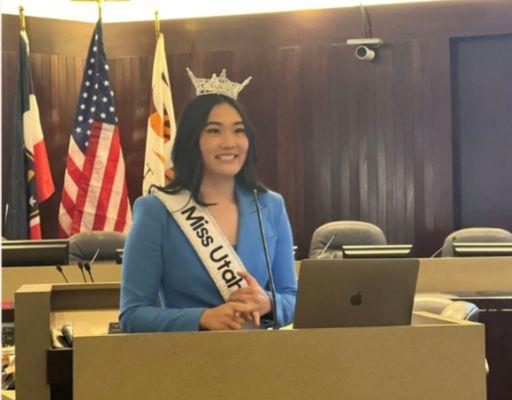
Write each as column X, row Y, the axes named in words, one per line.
column 161, row 131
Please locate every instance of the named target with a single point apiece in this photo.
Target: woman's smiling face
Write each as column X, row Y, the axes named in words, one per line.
column 223, row 142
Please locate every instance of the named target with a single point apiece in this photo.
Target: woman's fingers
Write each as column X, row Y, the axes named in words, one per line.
column 242, row 297
column 230, row 315
column 239, row 317
column 248, row 278
column 244, row 312
column 242, row 307
column 247, row 289
column 252, row 294
column 256, row 318
column 234, row 325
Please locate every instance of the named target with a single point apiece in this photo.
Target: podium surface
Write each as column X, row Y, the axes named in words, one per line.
column 436, row 360
column 431, row 359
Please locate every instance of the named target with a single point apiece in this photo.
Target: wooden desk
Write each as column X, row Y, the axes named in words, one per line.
column 465, row 274
column 486, row 282
column 496, row 314
column 461, row 274
column 14, row 277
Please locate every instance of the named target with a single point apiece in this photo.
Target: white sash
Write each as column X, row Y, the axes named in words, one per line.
column 211, row 245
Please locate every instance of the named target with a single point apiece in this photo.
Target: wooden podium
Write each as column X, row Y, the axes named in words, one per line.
column 431, row 359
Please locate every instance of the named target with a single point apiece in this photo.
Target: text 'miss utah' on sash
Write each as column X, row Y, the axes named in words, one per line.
column 206, row 237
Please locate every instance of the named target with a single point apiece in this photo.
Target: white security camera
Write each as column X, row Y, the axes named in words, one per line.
column 365, row 53
column 365, row 49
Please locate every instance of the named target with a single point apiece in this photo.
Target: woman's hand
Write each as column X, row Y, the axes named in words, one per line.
column 252, row 295
column 230, row 315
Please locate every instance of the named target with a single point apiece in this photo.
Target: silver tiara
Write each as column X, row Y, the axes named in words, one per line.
column 217, row 85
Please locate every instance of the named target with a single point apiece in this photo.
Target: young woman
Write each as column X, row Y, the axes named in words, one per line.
column 171, row 251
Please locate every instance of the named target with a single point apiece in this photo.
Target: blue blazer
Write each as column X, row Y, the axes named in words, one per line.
column 160, row 261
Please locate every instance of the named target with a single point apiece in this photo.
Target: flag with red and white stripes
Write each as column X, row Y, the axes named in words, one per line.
column 95, row 196
column 30, row 180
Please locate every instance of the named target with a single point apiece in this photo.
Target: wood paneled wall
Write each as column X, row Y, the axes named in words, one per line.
column 339, row 138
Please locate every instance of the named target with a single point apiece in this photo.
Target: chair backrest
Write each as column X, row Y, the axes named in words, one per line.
column 444, row 305
column 84, row 245
column 345, row 233
column 462, row 310
column 474, row 235
column 433, row 303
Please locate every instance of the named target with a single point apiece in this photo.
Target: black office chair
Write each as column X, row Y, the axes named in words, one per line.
column 328, row 239
column 474, row 235
column 84, row 245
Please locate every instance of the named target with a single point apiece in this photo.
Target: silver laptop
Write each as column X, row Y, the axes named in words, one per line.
column 363, row 292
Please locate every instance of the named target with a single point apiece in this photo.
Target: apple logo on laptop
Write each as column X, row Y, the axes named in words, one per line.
column 356, row 299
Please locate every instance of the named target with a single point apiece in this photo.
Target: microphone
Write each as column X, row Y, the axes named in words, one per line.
column 326, row 246
column 267, row 260
column 443, row 247
column 6, row 213
column 59, row 268
column 81, row 266
column 88, row 265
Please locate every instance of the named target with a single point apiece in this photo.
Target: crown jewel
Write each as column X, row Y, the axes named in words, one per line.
column 217, row 85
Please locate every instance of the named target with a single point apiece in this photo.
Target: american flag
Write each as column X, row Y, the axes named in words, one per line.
column 94, row 196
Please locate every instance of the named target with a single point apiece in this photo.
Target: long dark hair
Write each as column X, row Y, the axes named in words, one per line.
column 186, row 155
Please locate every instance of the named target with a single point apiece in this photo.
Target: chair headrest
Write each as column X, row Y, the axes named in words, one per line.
column 474, row 235
column 83, row 245
column 345, row 233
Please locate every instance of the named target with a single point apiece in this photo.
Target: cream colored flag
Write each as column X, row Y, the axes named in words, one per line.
column 161, row 124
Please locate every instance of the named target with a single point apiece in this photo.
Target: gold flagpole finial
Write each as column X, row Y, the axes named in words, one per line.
column 157, row 24
column 99, row 8
column 22, row 17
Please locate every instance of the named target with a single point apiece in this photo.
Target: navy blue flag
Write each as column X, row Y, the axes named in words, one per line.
column 30, row 177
